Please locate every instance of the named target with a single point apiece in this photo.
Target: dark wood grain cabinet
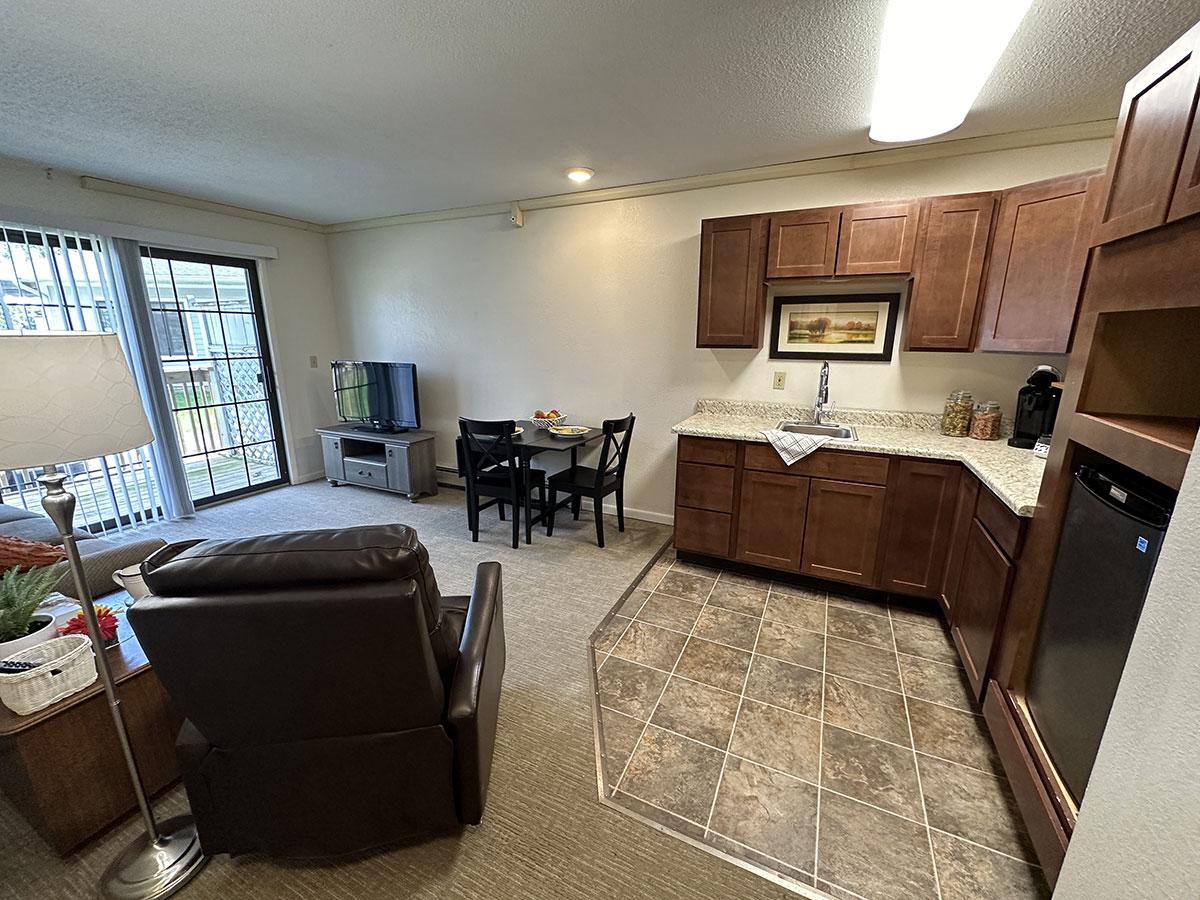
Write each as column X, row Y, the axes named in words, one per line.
column 705, row 482
column 960, row 531
column 878, row 238
column 952, row 248
column 983, row 591
column 803, row 243
column 771, row 520
column 841, row 539
column 1038, row 255
column 922, row 495
column 1153, row 171
column 732, row 289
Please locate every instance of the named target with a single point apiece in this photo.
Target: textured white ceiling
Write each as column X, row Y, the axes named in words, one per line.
column 330, row 111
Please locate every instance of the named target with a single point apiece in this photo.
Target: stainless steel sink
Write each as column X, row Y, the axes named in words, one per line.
column 840, row 432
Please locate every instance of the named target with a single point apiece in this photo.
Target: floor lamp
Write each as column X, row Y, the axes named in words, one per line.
column 67, row 397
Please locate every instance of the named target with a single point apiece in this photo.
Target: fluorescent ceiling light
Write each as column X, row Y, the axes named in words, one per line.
column 580, row 174
column 935, row 57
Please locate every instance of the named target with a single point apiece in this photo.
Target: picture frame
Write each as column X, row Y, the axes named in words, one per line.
column 835, row 326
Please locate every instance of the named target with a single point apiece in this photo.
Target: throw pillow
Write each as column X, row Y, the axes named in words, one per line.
column 27, row 554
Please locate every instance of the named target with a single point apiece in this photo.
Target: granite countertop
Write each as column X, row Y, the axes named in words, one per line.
column 1013, row 475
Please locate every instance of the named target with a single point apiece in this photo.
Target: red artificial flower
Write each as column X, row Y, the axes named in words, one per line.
column 77, row 624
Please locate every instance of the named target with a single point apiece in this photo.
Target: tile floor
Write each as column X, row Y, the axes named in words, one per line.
column 826, row 739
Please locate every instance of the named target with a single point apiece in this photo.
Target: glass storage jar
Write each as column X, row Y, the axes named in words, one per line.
column 956, row 415
column 985, row 421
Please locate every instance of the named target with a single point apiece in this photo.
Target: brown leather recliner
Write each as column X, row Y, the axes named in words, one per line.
column 334, row 701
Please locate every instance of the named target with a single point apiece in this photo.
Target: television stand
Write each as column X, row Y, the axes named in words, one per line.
column 402, row 463
column 380, row 429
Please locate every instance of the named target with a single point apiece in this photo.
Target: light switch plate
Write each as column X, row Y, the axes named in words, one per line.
column 312, row 362
column 780, row 379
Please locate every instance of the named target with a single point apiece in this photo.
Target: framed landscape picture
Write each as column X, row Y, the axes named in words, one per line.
column 841, row 326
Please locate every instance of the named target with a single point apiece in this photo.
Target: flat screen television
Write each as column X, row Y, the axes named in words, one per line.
column 378, row 396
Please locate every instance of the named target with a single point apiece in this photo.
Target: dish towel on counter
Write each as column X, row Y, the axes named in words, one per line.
column 791, row 446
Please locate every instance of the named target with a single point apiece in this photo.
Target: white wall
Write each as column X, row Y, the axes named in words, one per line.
column 300, row 312
column 593, row 309
column 1138, row 834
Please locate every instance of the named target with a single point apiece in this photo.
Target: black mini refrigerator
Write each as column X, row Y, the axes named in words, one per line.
column 1110, row 542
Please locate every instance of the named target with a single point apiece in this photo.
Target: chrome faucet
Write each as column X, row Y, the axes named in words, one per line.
column 823, row 407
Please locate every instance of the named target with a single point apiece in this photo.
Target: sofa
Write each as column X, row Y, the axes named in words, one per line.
column 101, row 556
column 334, row 701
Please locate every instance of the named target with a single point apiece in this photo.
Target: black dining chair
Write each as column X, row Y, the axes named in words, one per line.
column 489, row 464
column 598, row 483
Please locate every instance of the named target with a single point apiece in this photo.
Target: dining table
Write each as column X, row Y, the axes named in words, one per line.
column 528, row 444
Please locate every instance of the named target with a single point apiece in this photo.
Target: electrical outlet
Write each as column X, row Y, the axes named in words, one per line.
column 780, row 378
column 312, row 362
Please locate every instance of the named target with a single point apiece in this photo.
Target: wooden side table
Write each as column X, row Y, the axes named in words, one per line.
column 62, row 767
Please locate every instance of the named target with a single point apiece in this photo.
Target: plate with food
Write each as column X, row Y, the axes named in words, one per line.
column 543, row 419
column 568, row 431
column 518, row 430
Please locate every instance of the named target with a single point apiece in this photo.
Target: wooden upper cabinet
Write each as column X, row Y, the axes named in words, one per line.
column 1039, row 251
column 1152, row 130
column 841, row 539
column 732, row 252
column 771, row 520
column 803, row 243
column 1185, row 201
column 952, row 247
column 922, row 499
column 878, row 238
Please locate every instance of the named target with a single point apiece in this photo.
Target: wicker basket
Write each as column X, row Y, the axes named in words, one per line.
column 66, row 665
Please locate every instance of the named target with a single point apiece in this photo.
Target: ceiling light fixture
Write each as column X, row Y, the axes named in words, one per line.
column 935, row 57
column 580, row 174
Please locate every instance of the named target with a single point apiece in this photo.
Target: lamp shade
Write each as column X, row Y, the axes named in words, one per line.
column 66, row 397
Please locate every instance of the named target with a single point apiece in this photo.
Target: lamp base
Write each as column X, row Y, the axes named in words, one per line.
column 148, row 870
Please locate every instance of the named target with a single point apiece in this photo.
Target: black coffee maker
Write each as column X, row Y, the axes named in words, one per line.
column 1037, row 406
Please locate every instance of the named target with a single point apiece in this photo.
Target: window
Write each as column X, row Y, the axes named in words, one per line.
column 208, row 319
column 60, row 281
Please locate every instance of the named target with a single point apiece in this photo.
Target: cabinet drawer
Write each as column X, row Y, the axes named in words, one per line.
column 704, row 487
column 708, row 451
column 702, row 531
column 372, row 474
column 1004, row 525
column 841, row 466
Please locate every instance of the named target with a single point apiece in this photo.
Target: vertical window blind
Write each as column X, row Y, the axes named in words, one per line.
column 57, row 280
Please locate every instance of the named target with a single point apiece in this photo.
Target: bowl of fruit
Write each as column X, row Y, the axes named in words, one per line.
column 543, row 419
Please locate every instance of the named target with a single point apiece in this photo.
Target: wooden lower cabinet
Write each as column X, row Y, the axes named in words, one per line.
column 925, row 492
column 771, row 519
column 841, row 539
column 979, row 605
column 702, row 531
column 960, row 531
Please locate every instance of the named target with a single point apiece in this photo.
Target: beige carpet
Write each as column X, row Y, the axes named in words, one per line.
column 544, row 834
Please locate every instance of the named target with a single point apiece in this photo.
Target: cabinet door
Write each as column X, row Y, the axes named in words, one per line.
column 964, row 511
column 878, row 238
column 731, row 282
column 921, row 500
column 948, row 275
column 1036, row 268
column 803, row 243
column 331, row 454
column 399, row 477
column 1146, row 151
column 1185, row 200
column 979, row 606
column 841, row 540
column 771, row 518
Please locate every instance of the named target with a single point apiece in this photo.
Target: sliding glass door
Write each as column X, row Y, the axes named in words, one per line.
column 208, row 319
